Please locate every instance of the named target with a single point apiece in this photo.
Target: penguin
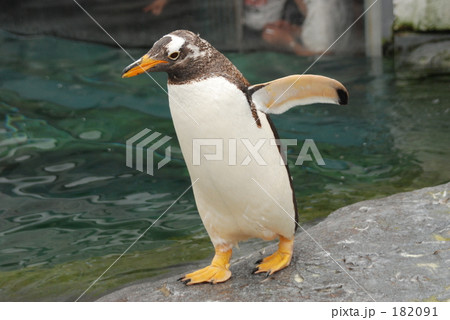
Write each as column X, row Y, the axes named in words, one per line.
column 241, row 183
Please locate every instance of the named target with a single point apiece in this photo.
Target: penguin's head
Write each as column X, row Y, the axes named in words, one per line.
column 182, row 54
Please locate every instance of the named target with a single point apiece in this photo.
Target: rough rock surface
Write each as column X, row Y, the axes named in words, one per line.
column 422, row 15
column 391, row 249
column 424, row 48
column 418, row 55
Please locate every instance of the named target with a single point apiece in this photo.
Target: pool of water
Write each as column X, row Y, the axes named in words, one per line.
column 69, row 205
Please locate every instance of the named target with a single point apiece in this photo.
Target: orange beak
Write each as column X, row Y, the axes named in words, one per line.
column 140, row 66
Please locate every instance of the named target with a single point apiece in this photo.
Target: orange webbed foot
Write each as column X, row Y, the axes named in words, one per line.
column 277, row 261
column 217, row 272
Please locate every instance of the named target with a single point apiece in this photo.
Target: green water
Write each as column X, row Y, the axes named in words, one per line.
column 69, row 206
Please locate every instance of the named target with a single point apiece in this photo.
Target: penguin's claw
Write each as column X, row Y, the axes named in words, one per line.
column 211, row 274
column 277, row 261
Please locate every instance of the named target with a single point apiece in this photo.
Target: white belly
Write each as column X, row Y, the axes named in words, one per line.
column 231, row 204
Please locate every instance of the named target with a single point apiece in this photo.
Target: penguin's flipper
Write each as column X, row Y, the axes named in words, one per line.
column 280, row 95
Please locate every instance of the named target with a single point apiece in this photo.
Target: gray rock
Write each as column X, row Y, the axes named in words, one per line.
column 391, row 249
column 431, row 56
column 418, row 55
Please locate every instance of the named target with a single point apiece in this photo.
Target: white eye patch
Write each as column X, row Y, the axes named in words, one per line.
column 195, row 51
column 176, row 43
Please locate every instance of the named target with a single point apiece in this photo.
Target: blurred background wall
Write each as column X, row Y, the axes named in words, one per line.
column 125, row 20
column 222, row 22
column 417, row 32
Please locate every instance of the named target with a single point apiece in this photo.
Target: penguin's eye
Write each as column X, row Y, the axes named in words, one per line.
column 174, row 55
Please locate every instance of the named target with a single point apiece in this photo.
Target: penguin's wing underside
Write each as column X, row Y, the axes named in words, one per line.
column 280, row 95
